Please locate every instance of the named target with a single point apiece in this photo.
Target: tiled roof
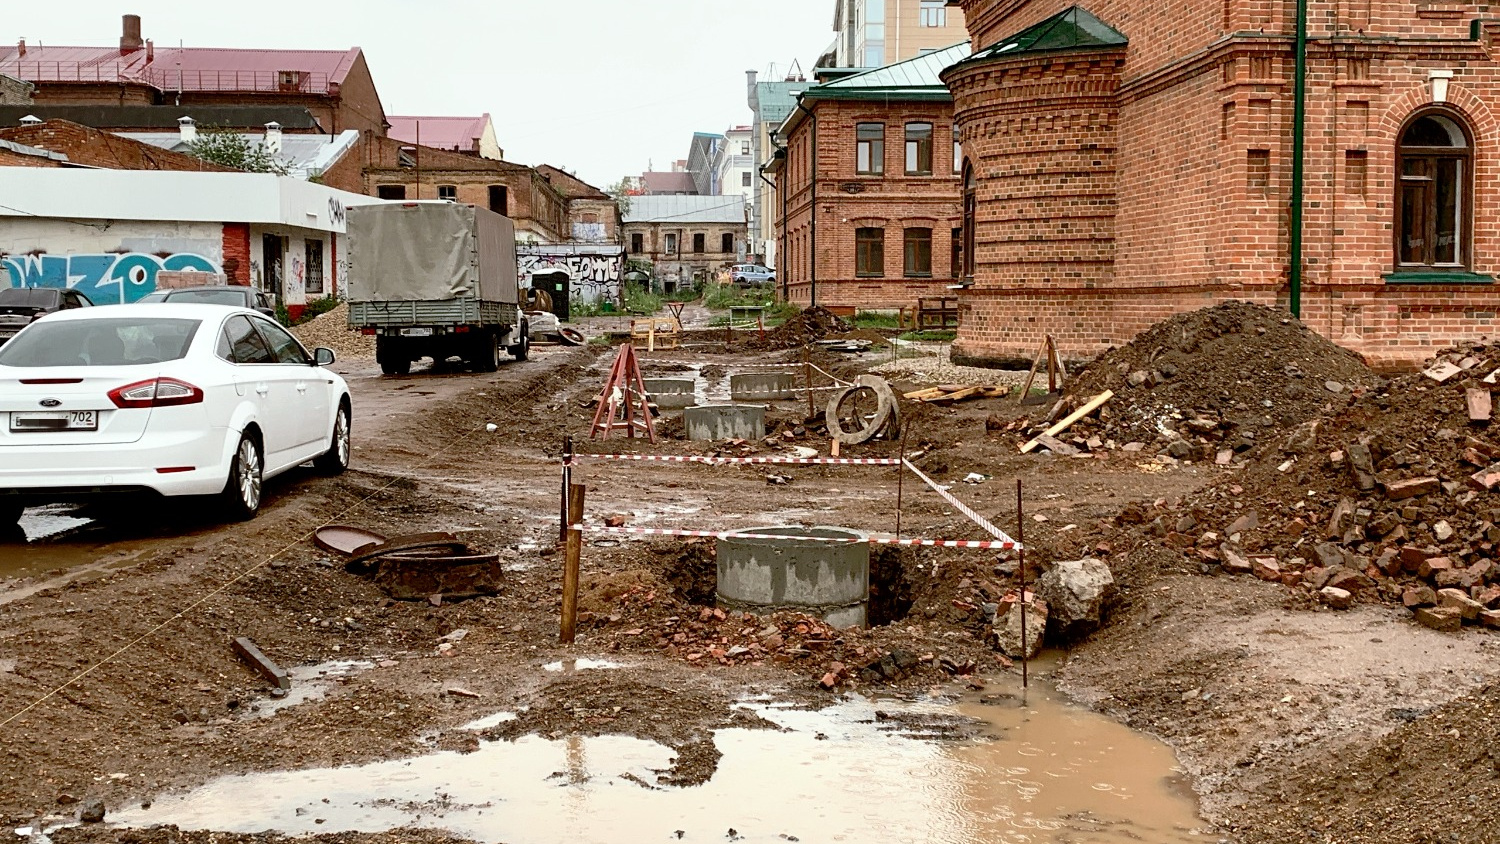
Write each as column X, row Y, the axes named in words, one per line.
column 686, row 209
column 184, row 68
column 454, row 133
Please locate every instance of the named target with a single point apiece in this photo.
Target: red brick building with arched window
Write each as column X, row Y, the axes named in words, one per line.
column 1133, row 160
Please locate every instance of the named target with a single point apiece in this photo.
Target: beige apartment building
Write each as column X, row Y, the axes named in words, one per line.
column 876, row 33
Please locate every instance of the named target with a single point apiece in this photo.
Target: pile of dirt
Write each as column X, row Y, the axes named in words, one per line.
column 809, row 326
column 1390, row 499
column 331, row 330
column 1229, row 376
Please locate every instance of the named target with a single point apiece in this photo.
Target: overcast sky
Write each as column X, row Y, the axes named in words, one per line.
column 596, row 86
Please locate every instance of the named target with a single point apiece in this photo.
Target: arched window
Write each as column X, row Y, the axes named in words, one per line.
column 970, row 192
column 1434, row 160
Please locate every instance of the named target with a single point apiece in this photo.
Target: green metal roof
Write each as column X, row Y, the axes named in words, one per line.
column 916, row 78
column 1075, row 28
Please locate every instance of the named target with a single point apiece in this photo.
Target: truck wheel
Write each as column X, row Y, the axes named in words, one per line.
column 10, row 512
column 392, row 360
column 522, row 349
column 486, row 356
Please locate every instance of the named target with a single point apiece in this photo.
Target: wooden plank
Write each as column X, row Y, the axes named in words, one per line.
column 1480, row 405
column 927, row 393
column 1094, row 404
column 949, row 398
column 1031, row 376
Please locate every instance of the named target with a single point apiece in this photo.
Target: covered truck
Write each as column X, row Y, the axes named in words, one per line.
column 435, row 279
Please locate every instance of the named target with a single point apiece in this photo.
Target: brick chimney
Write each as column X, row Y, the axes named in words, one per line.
column 130, row 38
column 21, row 49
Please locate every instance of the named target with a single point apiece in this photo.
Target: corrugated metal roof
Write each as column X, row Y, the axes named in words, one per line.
column 456, row 133
column 920, row 72
column 668, row 183
column 303, row 155
column 686, row 209
column 187, row 68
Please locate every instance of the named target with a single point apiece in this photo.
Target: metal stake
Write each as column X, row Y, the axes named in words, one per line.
column 807, row 373
column 900, row 476
column 567, row 481
column 1021, row 554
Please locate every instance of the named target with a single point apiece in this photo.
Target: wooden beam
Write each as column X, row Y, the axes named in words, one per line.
column 1094, row 404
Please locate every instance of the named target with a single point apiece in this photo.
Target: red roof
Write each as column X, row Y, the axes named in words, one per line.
column 455, row 133
column 186, row 69
column 669, row 183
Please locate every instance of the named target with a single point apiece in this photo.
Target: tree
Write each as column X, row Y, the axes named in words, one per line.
column 232, row 149
column 621, row 192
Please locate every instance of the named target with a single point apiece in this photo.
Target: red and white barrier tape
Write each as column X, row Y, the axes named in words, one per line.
column 1005, row 545
column 961, row 507
column 717, row 461
column 729, row 366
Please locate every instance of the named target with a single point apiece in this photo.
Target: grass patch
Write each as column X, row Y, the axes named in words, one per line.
column 583, row 310
column 931, row 335
column 722, row 297
column 640, row 300
column 875, row 319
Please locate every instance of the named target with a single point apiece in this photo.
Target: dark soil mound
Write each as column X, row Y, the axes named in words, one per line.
column 1234, row 373
column 809, row 326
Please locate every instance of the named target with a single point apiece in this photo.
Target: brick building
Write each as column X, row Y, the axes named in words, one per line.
column 593, row 215
column 393, row 170
column 335, row 85
column 687, row 239
column 472, row 135
column 74, row 145
column 1134, row 160
column 871, row 209
column 14, row 92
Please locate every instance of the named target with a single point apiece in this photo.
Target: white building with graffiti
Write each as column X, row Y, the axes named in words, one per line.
column 573, row 273
column 108, row 233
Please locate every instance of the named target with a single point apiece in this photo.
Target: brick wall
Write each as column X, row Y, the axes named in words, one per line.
column 846, row 201
column 14, row 91
column 237, row 253
column 89, row 147
column 1117, row 189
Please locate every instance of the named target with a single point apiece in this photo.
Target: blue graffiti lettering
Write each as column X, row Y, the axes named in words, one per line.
column 107, row 279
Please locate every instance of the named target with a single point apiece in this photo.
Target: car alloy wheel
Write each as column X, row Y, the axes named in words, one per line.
column 242, row 491
column 340, row 448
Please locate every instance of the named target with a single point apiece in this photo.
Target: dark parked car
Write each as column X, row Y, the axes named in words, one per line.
column 236, row 295
column 21, row 306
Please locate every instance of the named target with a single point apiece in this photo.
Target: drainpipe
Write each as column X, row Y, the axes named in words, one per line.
column 1299, row 130
column 780, row 241
column 812, row 212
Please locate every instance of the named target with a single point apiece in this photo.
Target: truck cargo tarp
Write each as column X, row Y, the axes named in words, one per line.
column 497, row 257
column 416, row 252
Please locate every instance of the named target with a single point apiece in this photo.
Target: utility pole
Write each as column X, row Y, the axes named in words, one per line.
column 1299, row 132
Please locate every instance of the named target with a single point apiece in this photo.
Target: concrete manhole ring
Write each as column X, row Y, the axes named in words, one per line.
column 862, row 412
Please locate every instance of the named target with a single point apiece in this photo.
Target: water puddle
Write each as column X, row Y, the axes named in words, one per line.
column 310, row 682
column 581, row 665
column 1042, row 771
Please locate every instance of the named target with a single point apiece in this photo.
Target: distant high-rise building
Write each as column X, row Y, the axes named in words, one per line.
column 875, row 33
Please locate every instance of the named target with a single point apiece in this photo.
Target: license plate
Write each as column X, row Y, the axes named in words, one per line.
column 416, row 332
column 64, row 420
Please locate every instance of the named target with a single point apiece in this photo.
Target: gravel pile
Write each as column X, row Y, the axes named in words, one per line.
column 938, row 368
column 332, row 330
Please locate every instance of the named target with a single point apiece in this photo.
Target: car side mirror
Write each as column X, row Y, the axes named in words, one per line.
column 268, row 312
column 323, row 356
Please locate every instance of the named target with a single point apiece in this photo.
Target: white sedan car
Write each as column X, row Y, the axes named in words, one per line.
column 173, row 399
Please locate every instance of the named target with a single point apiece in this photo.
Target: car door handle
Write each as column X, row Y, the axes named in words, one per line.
column 262, row 389
column 301, row 386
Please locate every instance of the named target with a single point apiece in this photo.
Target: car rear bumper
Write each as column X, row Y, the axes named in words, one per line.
column 180, row 463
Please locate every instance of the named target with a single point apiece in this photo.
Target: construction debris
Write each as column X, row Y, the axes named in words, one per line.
column 946, row 394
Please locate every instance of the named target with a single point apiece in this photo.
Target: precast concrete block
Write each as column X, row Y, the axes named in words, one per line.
column 725, row 422
column 672, row 393
column 827, row 579
column 762, row 386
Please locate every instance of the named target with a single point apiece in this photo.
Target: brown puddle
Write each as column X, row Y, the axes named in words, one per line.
column 860, row 771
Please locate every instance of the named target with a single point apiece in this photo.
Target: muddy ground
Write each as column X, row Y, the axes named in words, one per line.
column 1295, row 721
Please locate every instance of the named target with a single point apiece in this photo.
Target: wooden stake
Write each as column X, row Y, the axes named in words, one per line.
column 807, row 373
column 1094, row 404
column 833, row 447
column 570, row 565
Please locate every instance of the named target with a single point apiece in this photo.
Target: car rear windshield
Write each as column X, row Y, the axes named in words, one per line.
column 100, row 342
column 208, row 297
column 28, row 297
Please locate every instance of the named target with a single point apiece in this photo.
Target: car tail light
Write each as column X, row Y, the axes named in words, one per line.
column 157, row 392
column 51, row 380
column 368, row 332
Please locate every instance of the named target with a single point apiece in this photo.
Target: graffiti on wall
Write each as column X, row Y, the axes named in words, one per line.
column 108, row 278
column 592, row 276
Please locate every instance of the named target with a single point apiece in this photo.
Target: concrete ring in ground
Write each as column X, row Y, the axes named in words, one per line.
column 885, row 411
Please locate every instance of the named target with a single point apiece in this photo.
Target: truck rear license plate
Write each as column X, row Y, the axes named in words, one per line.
column 66, row 420
column 416, row 332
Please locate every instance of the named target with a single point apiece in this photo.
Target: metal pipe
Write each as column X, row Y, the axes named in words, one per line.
column 1299, row 131
column 812, row 212
column 1021, row 554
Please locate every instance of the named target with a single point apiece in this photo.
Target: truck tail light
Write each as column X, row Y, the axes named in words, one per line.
column 368, row 332
column 156, row 392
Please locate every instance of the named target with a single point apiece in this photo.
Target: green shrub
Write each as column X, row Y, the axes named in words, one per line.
column 931, row 335
column 584, row 310
column 640, row 300
column 719, row 297
column 875, row 319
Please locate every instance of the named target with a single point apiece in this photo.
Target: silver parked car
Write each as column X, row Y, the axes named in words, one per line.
column 750, row 275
